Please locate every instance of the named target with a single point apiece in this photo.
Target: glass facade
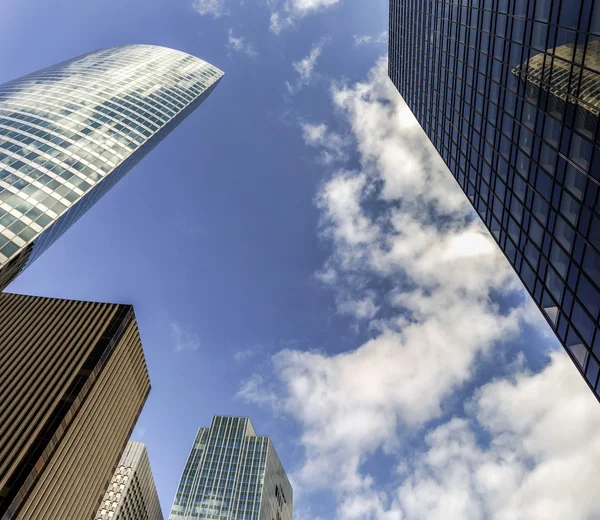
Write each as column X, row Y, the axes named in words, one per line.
column 232, row 474
column 508, row 91
column 69, row 132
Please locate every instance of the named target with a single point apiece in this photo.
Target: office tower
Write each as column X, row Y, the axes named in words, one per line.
column 73, row 381
column 131, row 494
column 70, row 132
column 508, row 92
column 232, row 473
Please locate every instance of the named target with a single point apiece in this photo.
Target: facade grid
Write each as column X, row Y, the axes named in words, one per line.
column 508, row 91
column 131, row 494
column 232, row 474
column 69, row 132
column 66, row 366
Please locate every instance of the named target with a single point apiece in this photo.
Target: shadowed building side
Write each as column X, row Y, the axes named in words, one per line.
column 73, row 381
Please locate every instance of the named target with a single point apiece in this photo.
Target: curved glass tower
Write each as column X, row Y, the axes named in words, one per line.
column 69, row 132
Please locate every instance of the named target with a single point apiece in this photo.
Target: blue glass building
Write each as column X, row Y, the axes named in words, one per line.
column 232, row 474
column 508, row 91
column 70, row 132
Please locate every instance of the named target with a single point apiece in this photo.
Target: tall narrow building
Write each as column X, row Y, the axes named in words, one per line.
column 73, row 381
column 131, row 494
column 232, row 473
column 70, row 132
column 509, row 93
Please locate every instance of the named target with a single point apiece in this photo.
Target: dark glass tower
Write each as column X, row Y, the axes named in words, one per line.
column 508, row 91
column 70, row 132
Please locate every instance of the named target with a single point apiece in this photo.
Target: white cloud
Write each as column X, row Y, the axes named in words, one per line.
column 184, row 339
column 305, row 68
column 364, row 308
column 244, row 355
column 333, row 145
column 410, row 258
column 439, row 278
column 285, row 13
column 366, row 39
column 541, row 461
column 239, row 44
column 215, row 8
column 254, row 390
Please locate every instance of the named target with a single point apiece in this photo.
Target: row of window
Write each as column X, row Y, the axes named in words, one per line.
column 226, row 474
column 574, row 14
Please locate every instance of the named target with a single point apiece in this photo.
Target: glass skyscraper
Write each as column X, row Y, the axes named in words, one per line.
column 69, row 132
column 232, row 474
column 508, row 91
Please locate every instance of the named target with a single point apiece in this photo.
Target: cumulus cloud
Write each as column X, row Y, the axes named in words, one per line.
column 410, row 259
column 305, row 68
column 439, row 264
column 240, row 44
column 184, row 339
column 333, row 146
column 366, row 39
column 254, row 390
column 284, row 14
column 540, row 462
column 215, row 8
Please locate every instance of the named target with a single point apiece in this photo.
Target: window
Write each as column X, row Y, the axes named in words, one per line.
column 580, row 152
column 552, row 131
column 540, row 209
column 576, row 348
column 540, row 32
column 559, row 260
column 582, row 323
column 591, row 265
column 544, row 184
column 569, row 208
column 589, row 296
column 554, row 284
column 575, row 181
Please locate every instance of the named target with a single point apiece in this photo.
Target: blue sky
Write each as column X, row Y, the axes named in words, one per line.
column 297, row 253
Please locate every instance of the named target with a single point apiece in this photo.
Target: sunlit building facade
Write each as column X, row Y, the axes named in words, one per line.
column 232, row 474
column 508, row 92
column 73, row 381
column 69, row 132
column 131, row 494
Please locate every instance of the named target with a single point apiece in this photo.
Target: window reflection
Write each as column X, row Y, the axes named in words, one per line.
column 575, row 181
column 64, row 128
column 564, row 234
column 540, row 121
column 560, row 260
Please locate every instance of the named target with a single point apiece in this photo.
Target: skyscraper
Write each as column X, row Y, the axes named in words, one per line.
column 68, row 133
column 508, row 92
column 131, row 494
column 73, row 381
column 232, row 473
